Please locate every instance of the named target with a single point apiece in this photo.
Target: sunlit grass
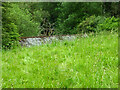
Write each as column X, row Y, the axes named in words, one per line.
column 85, row 62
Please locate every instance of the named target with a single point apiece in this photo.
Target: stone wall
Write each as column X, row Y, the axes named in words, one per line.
column 36, row 41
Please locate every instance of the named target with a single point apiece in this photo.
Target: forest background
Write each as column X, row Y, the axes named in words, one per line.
column 26, row 19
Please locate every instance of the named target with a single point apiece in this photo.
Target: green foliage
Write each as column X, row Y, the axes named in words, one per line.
column 10, row 39
column 23, row 20
column 27, row 19
column 10, row 35
column 18, row 21
column 111, row 8
column 98, row 23
column 39, row 15
column 50, row 8
column 83, row 63
column 71, row 14
column 90, row 24
column 109, row 24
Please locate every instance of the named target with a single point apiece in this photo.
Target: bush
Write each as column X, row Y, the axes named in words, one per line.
column 98, row 23
column 71, row 14
column 10, row 39
column 23, row 19
column 10, row 35
column 109, row 24
column 16, row 22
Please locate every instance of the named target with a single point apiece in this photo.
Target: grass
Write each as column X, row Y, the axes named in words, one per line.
column 83, row 63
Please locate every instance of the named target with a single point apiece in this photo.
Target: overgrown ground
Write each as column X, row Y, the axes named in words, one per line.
column 85, row 62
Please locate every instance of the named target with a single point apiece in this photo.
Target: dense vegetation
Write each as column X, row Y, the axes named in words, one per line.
column 90, row 62
column 83, row 63
column 38, row 18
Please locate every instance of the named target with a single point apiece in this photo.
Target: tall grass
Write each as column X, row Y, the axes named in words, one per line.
column 83, row 63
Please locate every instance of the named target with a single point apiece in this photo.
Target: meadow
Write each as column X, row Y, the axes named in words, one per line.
column 90, row 62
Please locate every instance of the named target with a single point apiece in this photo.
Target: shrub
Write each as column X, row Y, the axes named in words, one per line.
column 98, row 23
column 109, row 24
column 23, row 19
column 10, row 36
column 16, row 22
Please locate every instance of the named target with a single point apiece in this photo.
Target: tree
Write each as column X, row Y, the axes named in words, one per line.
column 71, row 14
column 10, row 35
